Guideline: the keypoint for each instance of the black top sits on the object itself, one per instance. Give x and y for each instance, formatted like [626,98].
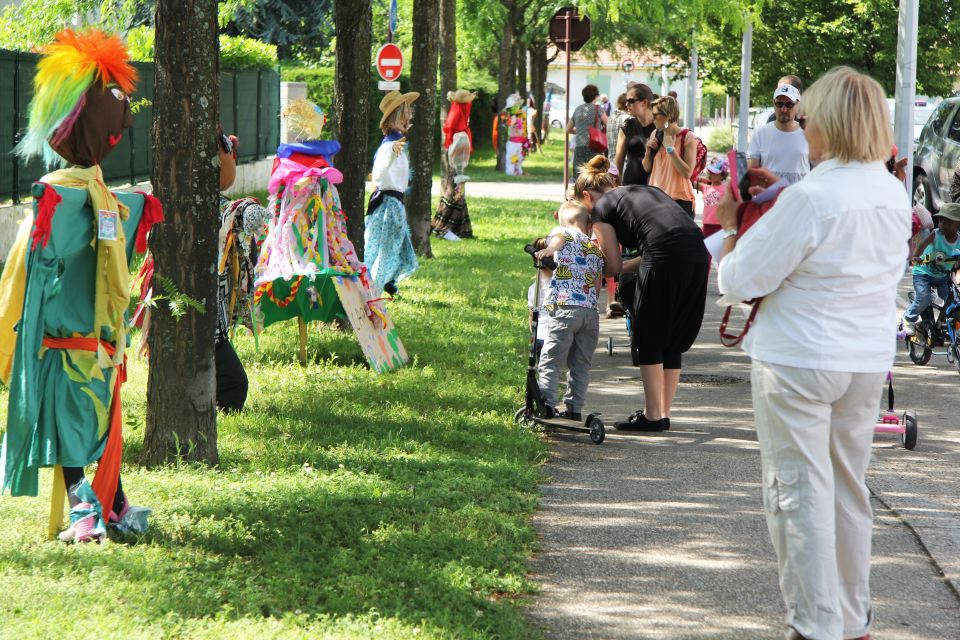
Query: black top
[646,218]
[636,138]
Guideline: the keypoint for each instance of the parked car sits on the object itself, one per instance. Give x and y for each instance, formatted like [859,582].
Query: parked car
[558,107]
[923,109]
[936,156]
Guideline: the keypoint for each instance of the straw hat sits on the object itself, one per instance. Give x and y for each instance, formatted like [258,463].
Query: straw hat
[393,100]
[461,95]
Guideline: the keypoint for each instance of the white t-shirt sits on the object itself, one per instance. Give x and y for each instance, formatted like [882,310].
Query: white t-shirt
[784,153]
[538,303]
[828,257]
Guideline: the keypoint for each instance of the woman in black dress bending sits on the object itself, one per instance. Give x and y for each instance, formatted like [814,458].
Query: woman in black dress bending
[671,280]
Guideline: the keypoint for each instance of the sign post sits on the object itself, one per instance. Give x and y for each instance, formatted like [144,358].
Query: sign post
[389,62]
[568,31]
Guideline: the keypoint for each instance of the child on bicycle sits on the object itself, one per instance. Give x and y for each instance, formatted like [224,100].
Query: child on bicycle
[944,241]
[570,306]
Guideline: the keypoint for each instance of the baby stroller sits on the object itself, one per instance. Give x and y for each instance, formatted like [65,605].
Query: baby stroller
[535,408]
[626,293]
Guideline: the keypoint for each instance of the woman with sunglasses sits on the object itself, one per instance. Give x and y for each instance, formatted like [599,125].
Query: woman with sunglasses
[633,135]
[672,154]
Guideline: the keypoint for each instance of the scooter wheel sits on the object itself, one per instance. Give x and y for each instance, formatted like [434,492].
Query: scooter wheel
[912,431]
[520,416]
[597,430]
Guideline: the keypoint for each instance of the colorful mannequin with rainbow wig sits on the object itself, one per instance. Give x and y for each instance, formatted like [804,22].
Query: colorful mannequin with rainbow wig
[65,291]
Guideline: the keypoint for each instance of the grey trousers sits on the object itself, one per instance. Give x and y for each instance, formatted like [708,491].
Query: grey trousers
[572,334]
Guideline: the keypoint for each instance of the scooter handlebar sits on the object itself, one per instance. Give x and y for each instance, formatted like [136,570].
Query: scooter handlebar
[547,262]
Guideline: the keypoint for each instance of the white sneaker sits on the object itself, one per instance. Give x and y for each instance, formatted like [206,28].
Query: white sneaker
[910,328]
[450,235]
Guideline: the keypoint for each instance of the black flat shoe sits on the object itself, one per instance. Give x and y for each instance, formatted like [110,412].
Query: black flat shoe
[639,422]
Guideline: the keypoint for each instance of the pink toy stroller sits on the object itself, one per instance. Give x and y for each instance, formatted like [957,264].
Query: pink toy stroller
[903,424]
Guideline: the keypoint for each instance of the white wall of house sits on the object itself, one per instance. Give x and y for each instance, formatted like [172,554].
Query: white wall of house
[612,80]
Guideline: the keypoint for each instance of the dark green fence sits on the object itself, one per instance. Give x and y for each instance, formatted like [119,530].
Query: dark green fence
[249,107]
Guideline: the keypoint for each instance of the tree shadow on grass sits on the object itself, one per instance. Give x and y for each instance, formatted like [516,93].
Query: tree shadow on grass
[401,540]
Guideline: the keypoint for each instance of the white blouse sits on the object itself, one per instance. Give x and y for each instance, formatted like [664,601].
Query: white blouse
[828,257]
[391,172]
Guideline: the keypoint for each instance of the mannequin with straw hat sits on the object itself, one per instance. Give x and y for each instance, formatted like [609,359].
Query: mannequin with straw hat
[388,249]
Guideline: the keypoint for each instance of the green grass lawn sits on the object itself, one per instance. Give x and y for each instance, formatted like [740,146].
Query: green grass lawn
[538,167]
[346,504]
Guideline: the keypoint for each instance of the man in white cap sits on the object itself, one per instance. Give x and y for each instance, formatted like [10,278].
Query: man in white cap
[780,145]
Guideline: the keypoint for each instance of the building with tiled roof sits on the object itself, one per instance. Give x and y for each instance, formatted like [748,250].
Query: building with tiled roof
[606,69]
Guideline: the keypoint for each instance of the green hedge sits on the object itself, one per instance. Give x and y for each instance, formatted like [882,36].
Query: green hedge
[236,52]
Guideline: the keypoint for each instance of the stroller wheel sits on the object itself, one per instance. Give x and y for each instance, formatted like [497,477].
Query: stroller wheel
[911,433]
[610,346]
[597,430]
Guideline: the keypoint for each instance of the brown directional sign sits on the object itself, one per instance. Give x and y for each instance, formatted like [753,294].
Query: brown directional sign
[579,29]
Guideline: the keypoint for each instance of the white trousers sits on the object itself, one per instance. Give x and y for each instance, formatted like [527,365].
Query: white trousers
[513,163]
[815,430]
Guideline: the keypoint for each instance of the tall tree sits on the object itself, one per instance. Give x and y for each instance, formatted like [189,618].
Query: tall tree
[181,388]
[448,75]
[859,33]
[423,78]
[351,108]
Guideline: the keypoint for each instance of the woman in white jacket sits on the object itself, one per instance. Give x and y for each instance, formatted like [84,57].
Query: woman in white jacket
[827,259]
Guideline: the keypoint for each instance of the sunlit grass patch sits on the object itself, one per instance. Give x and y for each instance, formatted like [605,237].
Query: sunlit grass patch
[346,504]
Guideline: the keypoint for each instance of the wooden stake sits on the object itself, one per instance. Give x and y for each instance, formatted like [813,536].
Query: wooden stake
[303,341]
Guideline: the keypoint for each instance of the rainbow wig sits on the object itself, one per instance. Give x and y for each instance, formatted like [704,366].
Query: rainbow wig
[67,69]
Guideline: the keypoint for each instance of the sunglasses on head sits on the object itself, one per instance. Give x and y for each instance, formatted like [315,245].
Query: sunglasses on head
[783,104]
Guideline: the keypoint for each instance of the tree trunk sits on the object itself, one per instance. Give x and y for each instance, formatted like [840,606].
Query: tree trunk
[423,78]
[351,109]
[538,81]
[507,76]
[448,76]
[181,387]
[520,54]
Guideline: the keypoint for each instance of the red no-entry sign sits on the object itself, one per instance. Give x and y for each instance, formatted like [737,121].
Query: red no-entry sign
[389,62]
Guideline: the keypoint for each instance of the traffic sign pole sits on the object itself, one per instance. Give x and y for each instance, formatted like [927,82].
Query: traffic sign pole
[570,37]
[566,129]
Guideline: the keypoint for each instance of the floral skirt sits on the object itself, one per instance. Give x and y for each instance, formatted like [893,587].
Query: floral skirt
[387,247]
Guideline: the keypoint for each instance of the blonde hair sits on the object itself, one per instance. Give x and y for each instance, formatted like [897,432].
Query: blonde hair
[668,106]
[397,120]
[593,176]
[572,214]
[850,111]
[304,119]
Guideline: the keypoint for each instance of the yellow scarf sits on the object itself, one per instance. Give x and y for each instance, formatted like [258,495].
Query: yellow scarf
[113,276]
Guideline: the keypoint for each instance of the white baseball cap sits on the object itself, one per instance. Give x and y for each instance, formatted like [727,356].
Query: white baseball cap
[787,90]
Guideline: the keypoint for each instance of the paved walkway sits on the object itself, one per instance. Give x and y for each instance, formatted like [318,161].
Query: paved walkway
[663,535]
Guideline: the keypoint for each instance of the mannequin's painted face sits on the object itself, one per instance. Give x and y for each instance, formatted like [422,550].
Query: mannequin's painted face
[104,115]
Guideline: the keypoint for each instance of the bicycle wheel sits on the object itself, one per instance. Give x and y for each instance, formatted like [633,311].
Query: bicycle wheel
[955,348]
[919,346]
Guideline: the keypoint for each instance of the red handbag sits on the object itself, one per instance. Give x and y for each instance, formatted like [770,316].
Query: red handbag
[598,139]
[747,215]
